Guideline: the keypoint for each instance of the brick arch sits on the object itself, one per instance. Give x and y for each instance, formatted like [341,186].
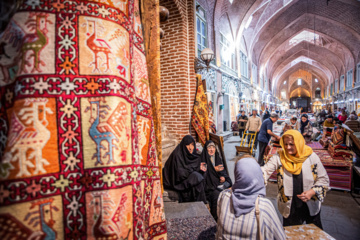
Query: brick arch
[332,54]
[335,48]
[319,72]
[329,66]
[303,93]
[293,85]
[243,45]
[219,10]
[225,20]
[325,58]
[283,87]
[349,42]
[320,85]
[284,20]
[255,5]
[239,11]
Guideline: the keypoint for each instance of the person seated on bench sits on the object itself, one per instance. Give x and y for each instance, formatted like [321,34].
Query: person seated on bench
[216,178]
[184,172]
[328,125]
[237,206]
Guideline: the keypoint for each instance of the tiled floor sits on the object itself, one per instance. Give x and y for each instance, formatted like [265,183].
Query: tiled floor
[340,214]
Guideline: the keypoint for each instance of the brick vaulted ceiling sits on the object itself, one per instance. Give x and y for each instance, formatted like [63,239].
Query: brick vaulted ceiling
[279,36]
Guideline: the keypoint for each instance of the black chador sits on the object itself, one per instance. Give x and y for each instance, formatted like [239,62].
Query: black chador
[182,173]
[213,185]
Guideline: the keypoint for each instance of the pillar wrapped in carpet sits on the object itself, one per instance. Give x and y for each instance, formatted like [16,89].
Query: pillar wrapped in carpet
[77,142]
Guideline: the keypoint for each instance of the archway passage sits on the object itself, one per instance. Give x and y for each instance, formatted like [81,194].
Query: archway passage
[282,38]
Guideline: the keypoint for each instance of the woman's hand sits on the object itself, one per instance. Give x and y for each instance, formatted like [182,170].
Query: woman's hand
[219,168]
[222,179]
[304,134]
[307,195]
[203,167]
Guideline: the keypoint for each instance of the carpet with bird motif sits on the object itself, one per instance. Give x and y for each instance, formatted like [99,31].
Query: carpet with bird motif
[77,144]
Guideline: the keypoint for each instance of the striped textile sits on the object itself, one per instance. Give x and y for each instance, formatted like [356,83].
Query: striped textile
[245,226]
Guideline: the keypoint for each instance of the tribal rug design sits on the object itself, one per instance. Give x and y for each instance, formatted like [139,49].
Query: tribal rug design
[77,143]
[200,115]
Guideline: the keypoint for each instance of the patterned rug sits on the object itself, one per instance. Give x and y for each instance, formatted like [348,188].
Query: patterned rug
[77,143]
[327,160]
[338,170]
[200,116]
[315,145]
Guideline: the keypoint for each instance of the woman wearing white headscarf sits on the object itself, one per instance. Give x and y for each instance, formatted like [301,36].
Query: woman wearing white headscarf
[243,209]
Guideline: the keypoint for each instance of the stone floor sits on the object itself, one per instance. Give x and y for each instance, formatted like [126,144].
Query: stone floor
[340,214]
[189,221]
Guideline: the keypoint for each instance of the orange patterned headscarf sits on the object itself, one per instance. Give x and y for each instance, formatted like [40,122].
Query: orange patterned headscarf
[291,163]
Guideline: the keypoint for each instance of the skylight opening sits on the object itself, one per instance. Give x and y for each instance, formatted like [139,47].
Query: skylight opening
[316,80]
[284,82]
[305,36]
[231,1]
[301,59]
[299,81]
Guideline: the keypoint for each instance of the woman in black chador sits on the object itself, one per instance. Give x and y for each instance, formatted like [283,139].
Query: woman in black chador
[216,176]
[184,172]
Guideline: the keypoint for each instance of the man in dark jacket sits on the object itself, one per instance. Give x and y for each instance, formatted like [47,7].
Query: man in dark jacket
[242,123]
[265,134]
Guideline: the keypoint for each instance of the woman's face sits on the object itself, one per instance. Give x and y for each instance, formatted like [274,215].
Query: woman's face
[303,119]
[190,147]
[293,121]
[289,144]
[211,150]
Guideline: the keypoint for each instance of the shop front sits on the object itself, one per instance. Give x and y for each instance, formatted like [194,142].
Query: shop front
[246,101]
[211,92]
[316,106]
[230,101]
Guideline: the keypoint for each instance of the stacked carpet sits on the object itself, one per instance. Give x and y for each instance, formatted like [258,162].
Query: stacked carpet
[341,151]
[338,169]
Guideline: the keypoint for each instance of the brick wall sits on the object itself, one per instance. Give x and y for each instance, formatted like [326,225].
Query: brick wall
[178,81]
